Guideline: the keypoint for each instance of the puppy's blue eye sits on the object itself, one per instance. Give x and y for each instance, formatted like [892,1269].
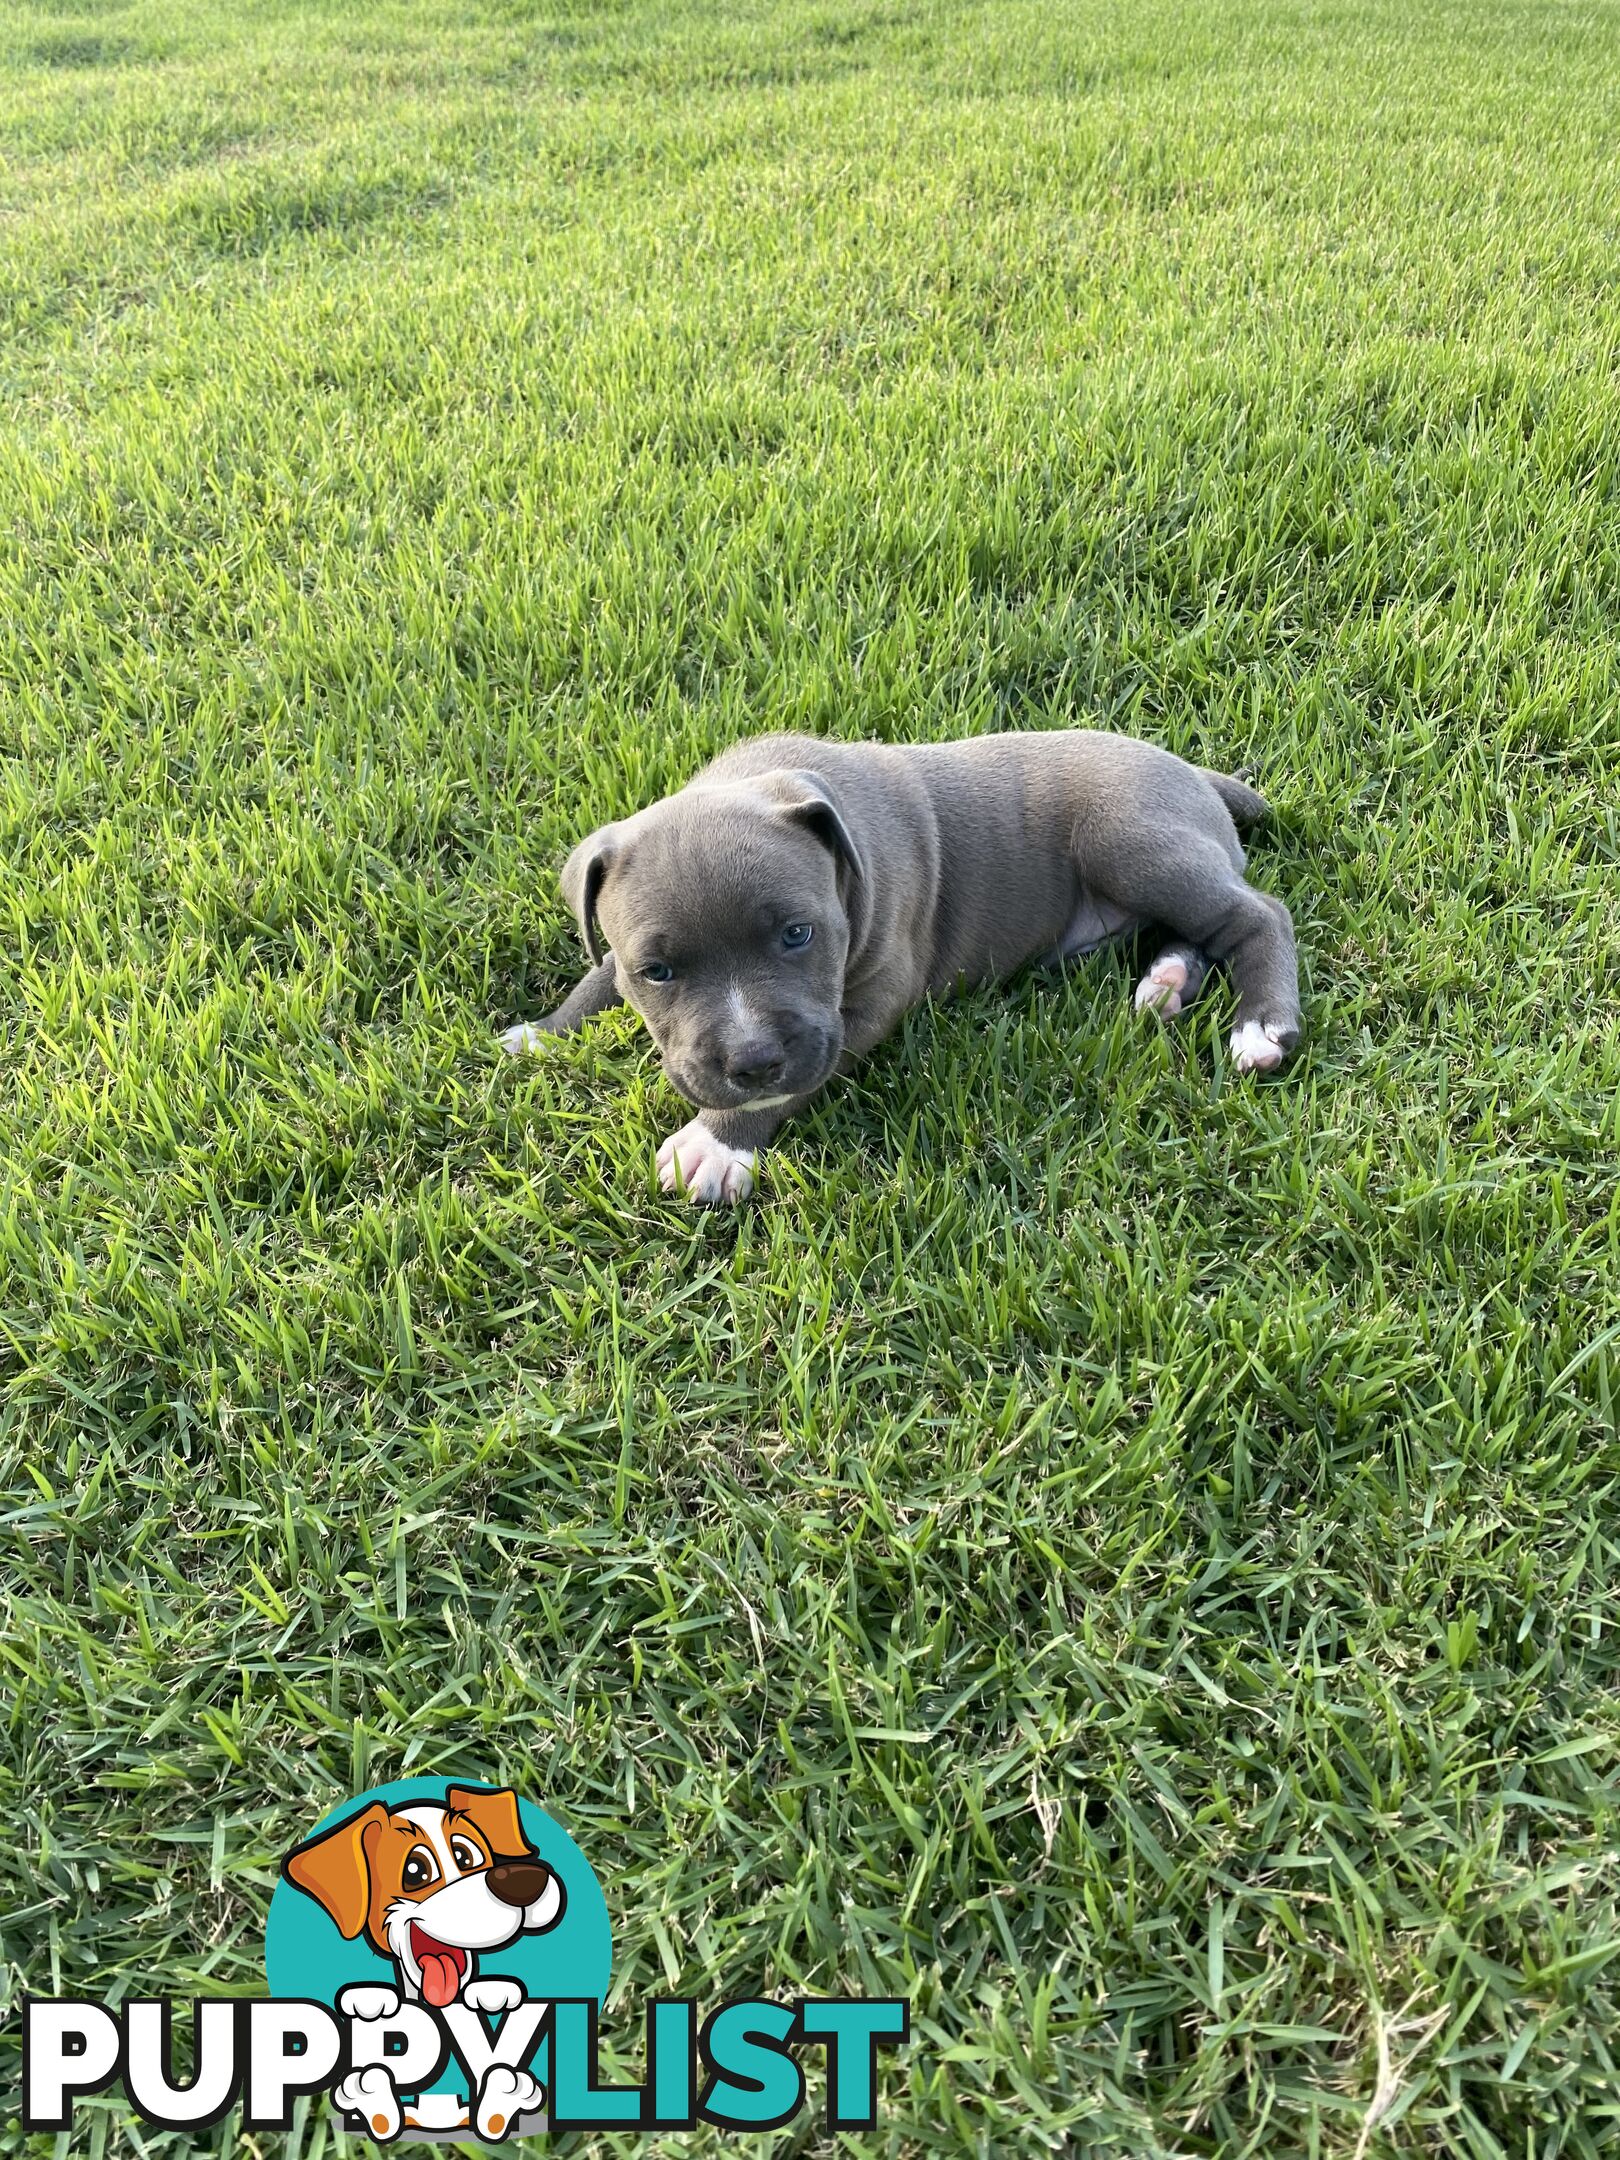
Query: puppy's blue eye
[797,934]
[657,971]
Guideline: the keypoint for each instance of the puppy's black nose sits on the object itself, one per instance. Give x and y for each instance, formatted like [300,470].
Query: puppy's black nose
[518,1882]
[755,1065]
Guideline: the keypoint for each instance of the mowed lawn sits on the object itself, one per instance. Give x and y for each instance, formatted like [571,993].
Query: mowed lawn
[1121,1555]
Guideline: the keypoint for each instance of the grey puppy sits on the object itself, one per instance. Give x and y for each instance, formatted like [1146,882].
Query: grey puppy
[773,919]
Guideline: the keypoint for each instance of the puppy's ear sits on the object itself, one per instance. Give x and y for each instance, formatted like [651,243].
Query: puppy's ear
[494,1815]
[582,876]
[335,1869]
[806,799]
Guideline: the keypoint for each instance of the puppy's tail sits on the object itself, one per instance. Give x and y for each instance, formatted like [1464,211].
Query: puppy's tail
[1246,806]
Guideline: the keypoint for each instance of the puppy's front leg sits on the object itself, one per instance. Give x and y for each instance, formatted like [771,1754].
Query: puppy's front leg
[594,993]
[711,1160]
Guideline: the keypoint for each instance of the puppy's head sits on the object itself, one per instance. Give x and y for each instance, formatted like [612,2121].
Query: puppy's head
[431,1884]
[727,910]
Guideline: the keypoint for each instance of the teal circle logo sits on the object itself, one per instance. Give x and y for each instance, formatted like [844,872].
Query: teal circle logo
[444,1894]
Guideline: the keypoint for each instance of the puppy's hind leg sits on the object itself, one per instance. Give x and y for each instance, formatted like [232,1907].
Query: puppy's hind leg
[1173,981]
[593,993]
[1187,880]
[1257,947]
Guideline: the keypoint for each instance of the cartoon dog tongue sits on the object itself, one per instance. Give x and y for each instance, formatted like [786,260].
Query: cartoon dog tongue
[441,1969]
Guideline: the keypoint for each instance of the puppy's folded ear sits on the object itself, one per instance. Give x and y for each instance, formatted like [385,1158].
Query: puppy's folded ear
[582,876]
[335,1868]
[495,1816]
[808,800]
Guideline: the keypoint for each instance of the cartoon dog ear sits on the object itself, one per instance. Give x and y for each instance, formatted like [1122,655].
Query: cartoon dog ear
[335,1869]
[494,1815]
[582,876]
[808,801]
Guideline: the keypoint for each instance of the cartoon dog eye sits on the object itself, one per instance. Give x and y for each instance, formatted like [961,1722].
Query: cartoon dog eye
[419,1870]
[467,1856]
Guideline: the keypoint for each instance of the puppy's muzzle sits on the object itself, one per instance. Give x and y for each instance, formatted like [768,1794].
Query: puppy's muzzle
[756,1067]
[758,1070]
[518,1882]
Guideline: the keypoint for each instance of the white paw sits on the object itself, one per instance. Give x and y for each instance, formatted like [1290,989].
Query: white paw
[370,2095]
[1161,987]
[696,1162]
[504,2096]
[520,1040]
[1256,1048]
[368,2003]
[492,1997]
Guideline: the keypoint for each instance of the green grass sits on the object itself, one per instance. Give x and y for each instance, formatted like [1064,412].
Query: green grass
[1124,1557]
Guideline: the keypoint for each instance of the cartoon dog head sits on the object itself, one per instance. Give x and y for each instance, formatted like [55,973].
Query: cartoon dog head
[430,1885]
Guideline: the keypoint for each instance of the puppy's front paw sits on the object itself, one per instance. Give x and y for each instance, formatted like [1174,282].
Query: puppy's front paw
[504,2096]
[370,2095]
[1261,1046]
[368,2002]
[492,1997]
[521,1040]
[695,1161]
